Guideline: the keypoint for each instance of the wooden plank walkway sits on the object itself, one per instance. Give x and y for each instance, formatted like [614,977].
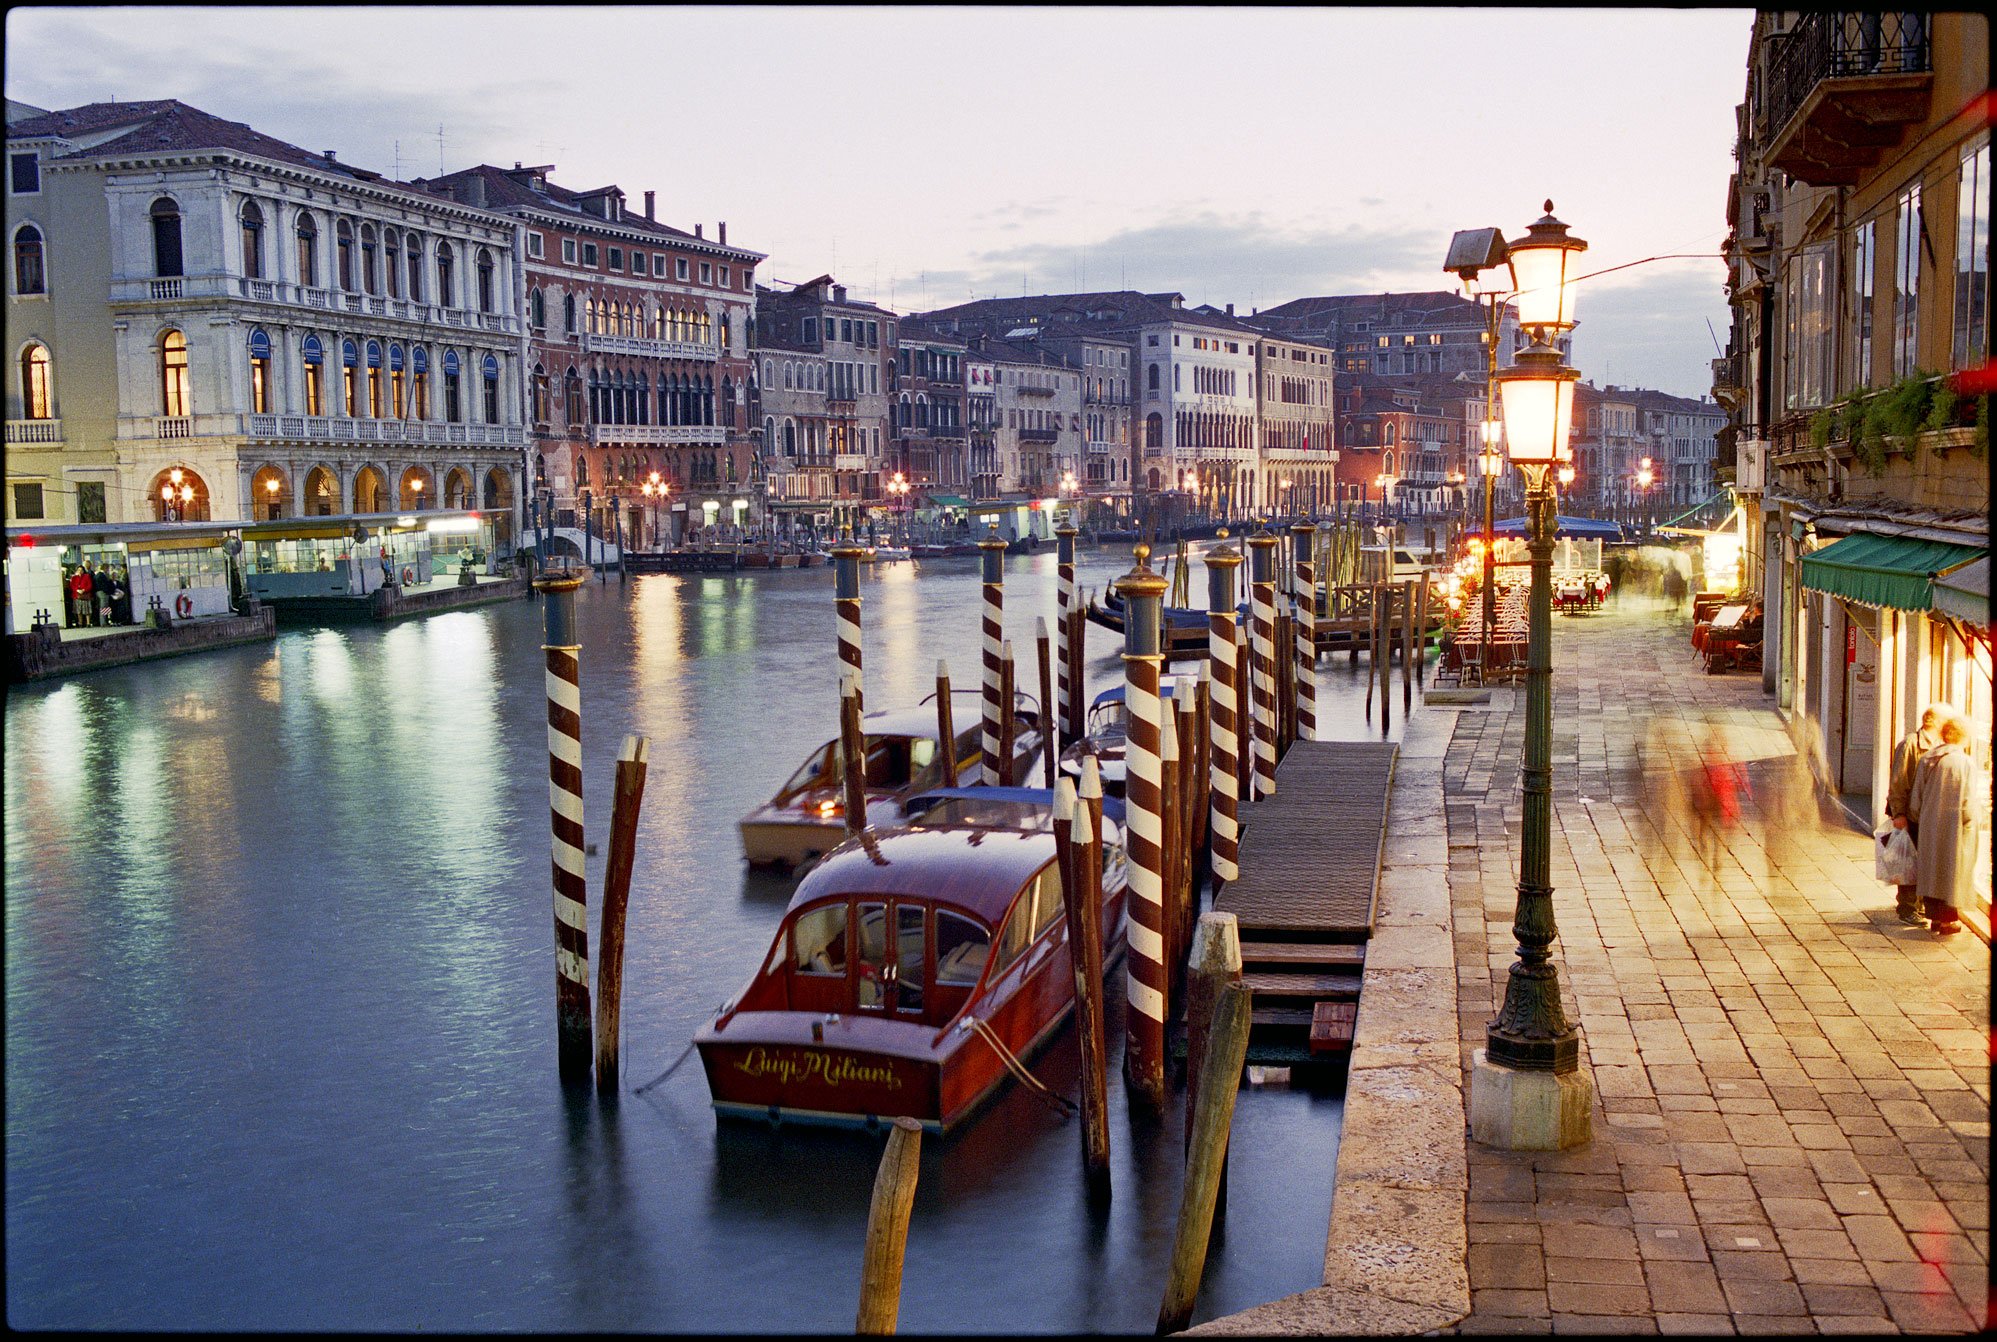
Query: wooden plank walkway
[1310,875]
[1310,854]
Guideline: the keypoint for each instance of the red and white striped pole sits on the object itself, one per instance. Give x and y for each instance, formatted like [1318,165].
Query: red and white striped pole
[1145,970]
[846,557]
[1304,543]
[1064,595]
[564,683]
[1262,612]
[992,554]
[1225,824]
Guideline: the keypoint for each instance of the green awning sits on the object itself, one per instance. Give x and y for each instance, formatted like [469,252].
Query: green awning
[1890,571]
[949,501]
[1965,592]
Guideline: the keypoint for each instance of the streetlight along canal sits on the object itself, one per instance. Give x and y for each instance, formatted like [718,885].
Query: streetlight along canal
[278,1044]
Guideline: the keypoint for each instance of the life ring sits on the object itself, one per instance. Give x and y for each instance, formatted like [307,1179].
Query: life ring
[408,575]
[183,605]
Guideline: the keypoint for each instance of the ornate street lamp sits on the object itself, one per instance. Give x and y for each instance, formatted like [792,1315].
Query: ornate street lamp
[1527,1092]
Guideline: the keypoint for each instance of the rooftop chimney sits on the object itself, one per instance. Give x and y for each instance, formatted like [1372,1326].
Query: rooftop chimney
[1230,309]
[696,229]
[649,195]
[722,230]
[329,156]
[838,293]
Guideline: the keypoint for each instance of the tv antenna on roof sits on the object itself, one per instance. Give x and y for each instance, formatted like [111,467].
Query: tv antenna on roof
[440,149]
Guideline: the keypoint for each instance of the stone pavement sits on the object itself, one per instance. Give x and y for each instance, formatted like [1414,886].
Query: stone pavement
[1792,1125]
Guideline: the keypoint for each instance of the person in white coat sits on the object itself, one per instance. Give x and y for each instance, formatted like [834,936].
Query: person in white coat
[1947,803]
[1906,755]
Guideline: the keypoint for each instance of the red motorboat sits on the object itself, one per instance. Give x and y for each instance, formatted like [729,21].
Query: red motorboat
[891,948]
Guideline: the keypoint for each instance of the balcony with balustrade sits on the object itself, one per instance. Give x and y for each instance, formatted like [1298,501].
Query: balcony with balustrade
[338,429]
[27,432]
[1840,90]
[657,435]
[647,348]
[195,288]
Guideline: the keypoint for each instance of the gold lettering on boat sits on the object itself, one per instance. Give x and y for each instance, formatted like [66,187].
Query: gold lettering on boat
[829,1069]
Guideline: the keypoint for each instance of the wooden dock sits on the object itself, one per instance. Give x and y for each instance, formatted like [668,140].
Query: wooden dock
[1310,878]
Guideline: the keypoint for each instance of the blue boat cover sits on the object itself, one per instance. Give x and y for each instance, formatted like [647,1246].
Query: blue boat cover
[1033,796]
[1580,528]
[1114,694]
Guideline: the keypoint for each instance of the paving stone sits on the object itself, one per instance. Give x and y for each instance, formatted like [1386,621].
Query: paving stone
[1587,1241]
[1800,1213]
[1687,1288]
[1753,1295]
[1570,1297]
[1927,1312]
[1506,1267]
[1590,1325]
[1858,1300]
[1695,1325]
[1859,1327]
[1878,1239]
[1758,1325]
[1831,1271]
[1658,1243]
[1815,1243]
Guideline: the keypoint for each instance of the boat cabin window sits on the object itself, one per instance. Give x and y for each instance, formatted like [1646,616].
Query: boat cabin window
[961,948]
[816,772]
[910,948]
[873,928]
[1034,912]
[986,813]
[893,761]
[819,939]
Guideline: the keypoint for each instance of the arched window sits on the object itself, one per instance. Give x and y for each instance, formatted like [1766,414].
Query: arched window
[308,250]
[1390,437]
[374,379]
[343,262]
[166,237]
[28,274]
[484,265]
[312,354]
[537,308]
[658,323]
[572,403]
[259,371]
[412,250]
[398,391]
[1386,463]
[1154,427]
[173,374]
[370,260]
[391,248]
[569,314]
[643,399]
[790,438]
[540,393]
[36,401]
[724,330]
[787,373]
[1153,378]
[252,220]
[446,291]
[419,362]
[490,370]
[454,405]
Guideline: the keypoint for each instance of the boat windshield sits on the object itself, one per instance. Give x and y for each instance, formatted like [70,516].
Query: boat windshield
[1027,816]
[1108,720]
[816,771]
[892,762]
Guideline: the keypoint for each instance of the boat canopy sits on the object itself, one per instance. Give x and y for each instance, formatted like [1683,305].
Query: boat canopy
[1114,694]
[1029,796]
[975,870]
[1581,528]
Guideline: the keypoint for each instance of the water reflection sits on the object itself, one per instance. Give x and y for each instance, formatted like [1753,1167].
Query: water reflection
[279,990]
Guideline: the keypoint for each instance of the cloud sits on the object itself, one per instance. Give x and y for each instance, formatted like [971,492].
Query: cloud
[1651,331]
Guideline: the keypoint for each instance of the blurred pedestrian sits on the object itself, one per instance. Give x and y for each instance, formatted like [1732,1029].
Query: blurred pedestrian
[1899,791]
[1948,807]
[1673,584]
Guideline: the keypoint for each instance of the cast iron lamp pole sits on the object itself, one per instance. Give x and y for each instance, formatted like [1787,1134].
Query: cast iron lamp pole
[1531,1036]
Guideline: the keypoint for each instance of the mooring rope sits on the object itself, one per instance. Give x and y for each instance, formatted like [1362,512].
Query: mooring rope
[668,1072]
[1060,1103]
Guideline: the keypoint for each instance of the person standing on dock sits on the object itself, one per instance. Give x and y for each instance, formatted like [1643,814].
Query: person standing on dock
[1899,792]
[1949,805]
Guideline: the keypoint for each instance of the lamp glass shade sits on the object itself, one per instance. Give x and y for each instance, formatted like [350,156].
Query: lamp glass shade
[1539,415]
[1544,296]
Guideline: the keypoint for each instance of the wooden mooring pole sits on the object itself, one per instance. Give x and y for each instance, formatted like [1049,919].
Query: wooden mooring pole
[1050,718]
[616,899]
[1244,713]
[946,724]
[852,752]
[1144,966]
[1062,724]
[1008,719]
[1216,962]
[1219,1084]
[1262,603]
[1408,647]
[887,1230]
[846,558]
[991,553]
[1171,815]
[1224,823]
[560,647]
[1306,672]
[1081,895]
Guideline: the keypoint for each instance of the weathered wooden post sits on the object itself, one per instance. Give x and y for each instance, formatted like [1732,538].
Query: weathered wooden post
[1008,721]
[1306,673]
[1171,815]
[1144,967]
[1185,705]
[1061,720]
[887,1229]
[1215,963]
[1081,893]
[1421,632]
[559,647]
[852,751]
[1386,657]
[1407,646]
[1262,612]
[946,724]
[1219,1085]
[1090,794]
[1076,636]
[991,553]
[846,557]
[1203,766]
[616,900]
[1050,721]
[1244,713]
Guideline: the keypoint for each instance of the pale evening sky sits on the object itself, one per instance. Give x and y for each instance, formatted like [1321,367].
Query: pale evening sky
[929,155]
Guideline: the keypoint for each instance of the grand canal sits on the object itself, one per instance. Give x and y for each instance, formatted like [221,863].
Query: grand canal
[280,1019]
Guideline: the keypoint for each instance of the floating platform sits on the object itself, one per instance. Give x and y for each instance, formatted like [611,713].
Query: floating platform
[395,603]
[44,653]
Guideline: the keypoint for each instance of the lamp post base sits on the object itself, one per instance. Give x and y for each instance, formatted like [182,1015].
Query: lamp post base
[1515,1110]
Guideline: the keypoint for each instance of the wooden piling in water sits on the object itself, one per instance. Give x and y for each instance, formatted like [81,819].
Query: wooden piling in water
[1061,722]
[1372,647]
[1421,632]
[852,753]
[1244,714]
[629,793]
[1224,723]
[991,553]
[1008,719]
[1144,965]
[887,1230]
[1171,843]
[1190,813]
[1219,1085]
[1408,647]
[1081,898]
[1050,722]
[946,724]
[1215,963]
[559,648]
[1262,601]
[1075,639]
[1386,657]
[846,559]
[1306,640]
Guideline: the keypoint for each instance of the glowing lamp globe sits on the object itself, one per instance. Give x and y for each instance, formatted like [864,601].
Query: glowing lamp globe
[1537,395]
[1545,261]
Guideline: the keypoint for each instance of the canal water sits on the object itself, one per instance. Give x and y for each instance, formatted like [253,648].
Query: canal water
[280,998]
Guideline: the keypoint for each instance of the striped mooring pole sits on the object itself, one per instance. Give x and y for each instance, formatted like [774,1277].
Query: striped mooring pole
[1262,618]
[1304,545]
[1064,595]
[846,557]
[1225,824]
[991,552]
[1145,971]
[559,646]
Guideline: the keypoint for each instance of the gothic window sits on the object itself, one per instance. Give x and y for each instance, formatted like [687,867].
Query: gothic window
[166,238]
[252,220]
[28,274]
